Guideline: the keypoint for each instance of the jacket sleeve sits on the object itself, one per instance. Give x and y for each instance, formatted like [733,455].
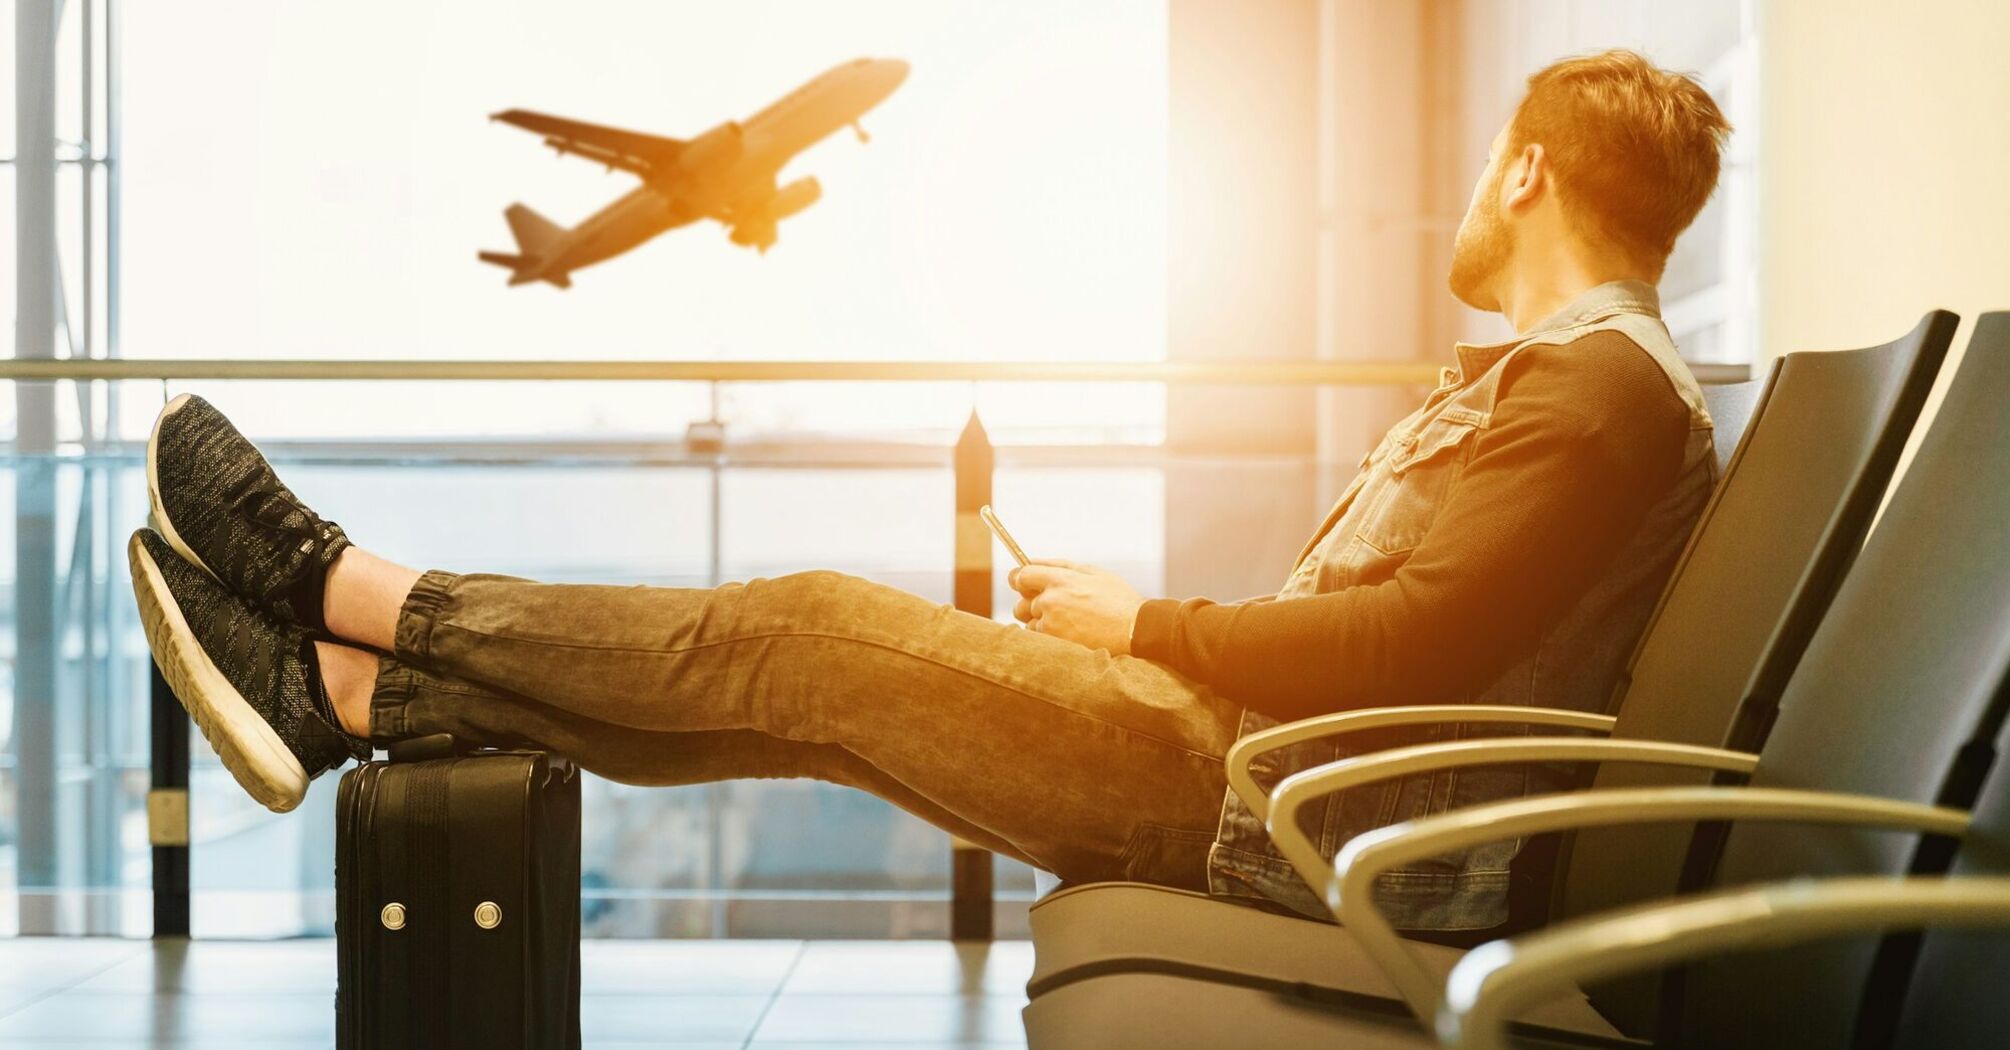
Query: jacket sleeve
[1584,438]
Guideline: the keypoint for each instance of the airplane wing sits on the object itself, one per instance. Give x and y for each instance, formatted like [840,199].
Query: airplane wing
[630,151]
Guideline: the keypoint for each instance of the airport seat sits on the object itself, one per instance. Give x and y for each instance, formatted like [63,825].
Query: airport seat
[1804,481]
[1954,999]
[1937,990]
[1892,721]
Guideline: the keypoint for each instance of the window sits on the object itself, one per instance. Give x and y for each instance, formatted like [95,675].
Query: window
[311,183]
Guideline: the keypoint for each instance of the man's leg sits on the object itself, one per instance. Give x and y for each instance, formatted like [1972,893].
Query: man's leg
[1088,765]
[405,701]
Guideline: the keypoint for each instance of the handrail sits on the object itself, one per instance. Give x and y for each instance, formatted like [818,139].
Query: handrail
[811,449]
[1240,373]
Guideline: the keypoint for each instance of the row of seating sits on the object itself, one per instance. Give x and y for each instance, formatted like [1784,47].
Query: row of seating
[1803,751]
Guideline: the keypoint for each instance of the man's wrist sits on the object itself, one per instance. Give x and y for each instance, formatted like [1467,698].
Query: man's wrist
[1151,628]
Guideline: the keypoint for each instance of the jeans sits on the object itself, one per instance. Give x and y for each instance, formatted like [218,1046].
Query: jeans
[1088,765]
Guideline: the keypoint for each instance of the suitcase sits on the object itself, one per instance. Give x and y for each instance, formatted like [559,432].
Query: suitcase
[457,901]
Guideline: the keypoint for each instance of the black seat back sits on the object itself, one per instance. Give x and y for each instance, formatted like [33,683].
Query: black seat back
[1731,407]
[1899,683]
[1955,993]
[1790,511]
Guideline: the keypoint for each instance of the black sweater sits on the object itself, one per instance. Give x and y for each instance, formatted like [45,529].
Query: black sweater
[1585,437]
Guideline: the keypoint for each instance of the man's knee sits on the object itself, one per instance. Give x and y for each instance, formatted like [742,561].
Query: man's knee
[817,588]
[828,599]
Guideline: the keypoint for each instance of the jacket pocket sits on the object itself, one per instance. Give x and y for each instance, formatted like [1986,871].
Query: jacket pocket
[1421,472]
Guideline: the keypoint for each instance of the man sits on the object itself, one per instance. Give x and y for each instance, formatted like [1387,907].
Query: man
[1503,544]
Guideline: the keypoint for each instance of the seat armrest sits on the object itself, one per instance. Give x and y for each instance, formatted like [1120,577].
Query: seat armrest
[1497,980]
[1364,858]
[1246,750]
[1299,789]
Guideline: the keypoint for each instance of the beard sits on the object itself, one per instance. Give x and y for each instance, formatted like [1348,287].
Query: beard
[1479,252]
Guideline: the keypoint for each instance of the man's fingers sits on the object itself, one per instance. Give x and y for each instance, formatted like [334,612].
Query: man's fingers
[1023,611]
[1058,563]
[1037,577]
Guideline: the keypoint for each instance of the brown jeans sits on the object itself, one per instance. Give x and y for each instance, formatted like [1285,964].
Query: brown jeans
[1084,764]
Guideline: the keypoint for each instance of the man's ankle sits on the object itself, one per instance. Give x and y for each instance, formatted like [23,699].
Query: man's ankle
[349,675]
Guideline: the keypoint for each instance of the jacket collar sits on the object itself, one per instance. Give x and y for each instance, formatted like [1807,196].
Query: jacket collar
[1612,297]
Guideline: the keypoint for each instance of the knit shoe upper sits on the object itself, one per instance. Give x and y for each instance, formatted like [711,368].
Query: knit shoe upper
[218,503]
[243,676]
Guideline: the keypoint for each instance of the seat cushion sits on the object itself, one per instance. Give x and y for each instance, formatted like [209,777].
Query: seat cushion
[1155,1011]
[1087,932]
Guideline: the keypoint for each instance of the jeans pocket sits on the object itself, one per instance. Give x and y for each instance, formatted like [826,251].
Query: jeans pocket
[1166,856]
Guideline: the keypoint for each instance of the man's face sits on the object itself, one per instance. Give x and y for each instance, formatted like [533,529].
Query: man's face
[1485,241]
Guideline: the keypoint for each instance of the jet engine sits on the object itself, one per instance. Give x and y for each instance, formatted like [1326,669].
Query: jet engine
[794,197]
[713,150]
[756,228]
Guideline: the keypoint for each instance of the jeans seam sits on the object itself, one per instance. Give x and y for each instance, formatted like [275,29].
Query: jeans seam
[860,641]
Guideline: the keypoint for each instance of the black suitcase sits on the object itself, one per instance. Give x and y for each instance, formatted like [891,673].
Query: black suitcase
[457,901]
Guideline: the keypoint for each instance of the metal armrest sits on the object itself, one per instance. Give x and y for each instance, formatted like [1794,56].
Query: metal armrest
[1497,980]
[1300,788]
[1245,750]
[1368,855]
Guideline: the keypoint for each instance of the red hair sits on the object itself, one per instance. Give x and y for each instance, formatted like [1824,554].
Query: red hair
[1634,148]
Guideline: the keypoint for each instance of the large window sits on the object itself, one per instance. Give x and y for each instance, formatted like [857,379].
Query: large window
[312,182]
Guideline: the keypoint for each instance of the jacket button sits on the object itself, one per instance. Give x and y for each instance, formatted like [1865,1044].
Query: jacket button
[393,916]
[487,915]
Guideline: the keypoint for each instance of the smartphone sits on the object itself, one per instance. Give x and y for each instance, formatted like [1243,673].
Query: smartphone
[998,529]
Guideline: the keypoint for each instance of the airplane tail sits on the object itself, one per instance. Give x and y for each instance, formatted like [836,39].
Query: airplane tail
[531,230]
[533,233]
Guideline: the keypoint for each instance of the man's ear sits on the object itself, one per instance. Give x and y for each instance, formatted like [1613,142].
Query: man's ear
[1527,178]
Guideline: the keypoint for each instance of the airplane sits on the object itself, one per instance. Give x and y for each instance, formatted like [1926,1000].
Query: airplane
[726,174]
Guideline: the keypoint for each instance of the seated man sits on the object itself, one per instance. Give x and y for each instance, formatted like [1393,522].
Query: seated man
[1503,544]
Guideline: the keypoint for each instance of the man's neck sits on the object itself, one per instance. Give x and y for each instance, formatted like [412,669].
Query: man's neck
[1529,296]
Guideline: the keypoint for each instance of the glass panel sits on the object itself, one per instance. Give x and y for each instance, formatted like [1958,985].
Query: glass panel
[352,226]
[69,79]
[8,290]
[73,847]
[7,86]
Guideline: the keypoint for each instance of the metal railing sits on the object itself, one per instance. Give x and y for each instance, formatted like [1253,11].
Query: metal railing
[1211,373]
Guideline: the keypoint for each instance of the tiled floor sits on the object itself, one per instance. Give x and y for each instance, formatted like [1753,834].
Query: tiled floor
[82,994]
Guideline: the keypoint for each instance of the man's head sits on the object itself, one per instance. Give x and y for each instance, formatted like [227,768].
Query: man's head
[1607,157]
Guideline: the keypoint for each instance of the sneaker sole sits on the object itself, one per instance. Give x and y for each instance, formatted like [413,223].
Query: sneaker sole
[162,524]
[246,743]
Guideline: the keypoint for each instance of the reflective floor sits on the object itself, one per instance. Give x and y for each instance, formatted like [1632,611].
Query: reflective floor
[86,994]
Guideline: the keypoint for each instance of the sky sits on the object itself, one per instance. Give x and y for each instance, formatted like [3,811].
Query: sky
[314,180]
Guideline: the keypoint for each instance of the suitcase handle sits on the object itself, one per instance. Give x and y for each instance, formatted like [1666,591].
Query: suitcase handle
[424,748]
[446,745]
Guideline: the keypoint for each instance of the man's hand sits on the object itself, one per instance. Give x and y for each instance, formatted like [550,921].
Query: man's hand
[1086,605]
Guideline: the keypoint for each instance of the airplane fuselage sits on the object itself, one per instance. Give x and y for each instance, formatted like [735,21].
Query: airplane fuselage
[728,173]
[633,218]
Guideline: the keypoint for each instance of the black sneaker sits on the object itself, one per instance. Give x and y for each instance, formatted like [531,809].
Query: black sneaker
[246,678]
[218,503]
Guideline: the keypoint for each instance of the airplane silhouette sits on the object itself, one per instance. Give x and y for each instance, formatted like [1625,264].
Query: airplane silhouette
[727,174]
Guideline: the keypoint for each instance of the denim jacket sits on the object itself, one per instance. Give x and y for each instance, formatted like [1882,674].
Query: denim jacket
[1577,664]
